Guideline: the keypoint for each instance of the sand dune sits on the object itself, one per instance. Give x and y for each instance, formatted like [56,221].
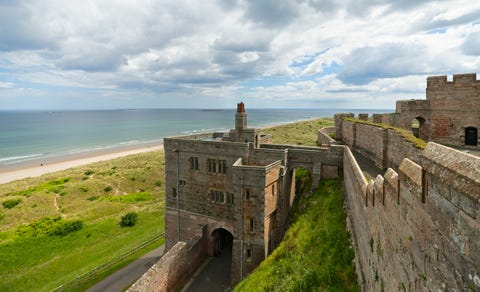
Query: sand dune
[35,171]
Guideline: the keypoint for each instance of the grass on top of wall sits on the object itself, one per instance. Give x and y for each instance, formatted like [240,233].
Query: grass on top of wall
[316,253]
[300,133]
[408,135]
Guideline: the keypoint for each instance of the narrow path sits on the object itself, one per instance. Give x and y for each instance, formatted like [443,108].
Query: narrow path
[368,167]
[214,276]
[126,276]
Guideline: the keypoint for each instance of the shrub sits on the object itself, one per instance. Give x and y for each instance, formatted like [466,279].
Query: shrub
[158,183]
[64,228]
[88,172]
[9,204]
[107,189]
[84,189]
[129,219]
[93,198]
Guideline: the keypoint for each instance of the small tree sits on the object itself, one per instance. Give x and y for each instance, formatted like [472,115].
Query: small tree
[129,219]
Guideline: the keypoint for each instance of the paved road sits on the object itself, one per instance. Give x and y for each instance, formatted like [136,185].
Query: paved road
[125,277]
[214,276]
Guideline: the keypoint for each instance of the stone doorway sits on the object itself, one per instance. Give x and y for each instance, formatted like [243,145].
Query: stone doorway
[471,136]
[221,240]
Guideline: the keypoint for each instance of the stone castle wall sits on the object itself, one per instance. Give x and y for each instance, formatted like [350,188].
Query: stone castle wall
[385,147]
[173,270]
[418,228]
[450,107]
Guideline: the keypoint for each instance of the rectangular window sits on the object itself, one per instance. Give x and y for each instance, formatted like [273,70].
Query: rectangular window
[249,253]
[230,198]
[194,163]
[246,193]
[251,225]
[273,189]
[212,165]
[174,192]
[217,197]
[222,166]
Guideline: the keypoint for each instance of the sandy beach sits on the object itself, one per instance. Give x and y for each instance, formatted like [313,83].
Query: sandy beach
[34,171]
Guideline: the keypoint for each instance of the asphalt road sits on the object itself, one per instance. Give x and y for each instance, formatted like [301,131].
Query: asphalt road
[125,277]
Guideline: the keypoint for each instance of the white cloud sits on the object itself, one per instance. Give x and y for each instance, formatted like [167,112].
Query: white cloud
[297,52]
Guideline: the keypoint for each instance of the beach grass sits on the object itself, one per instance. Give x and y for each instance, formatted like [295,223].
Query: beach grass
[41,261]
[300,133]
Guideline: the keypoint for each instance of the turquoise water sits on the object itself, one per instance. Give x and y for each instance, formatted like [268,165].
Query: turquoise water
[28,137]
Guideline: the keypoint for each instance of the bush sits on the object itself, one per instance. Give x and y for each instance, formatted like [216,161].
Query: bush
[129,219]
[64,228]
[107,189]
[9,204]
[158,183]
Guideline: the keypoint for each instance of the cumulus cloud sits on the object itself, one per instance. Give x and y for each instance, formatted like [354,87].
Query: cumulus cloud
[294,51]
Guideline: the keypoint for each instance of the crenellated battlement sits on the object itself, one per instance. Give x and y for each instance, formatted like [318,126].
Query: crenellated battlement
[417,227]
[436,82]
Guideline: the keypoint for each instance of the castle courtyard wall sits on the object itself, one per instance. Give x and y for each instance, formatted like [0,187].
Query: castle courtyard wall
[417,229]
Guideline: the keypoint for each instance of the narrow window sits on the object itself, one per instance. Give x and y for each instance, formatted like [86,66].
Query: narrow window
[222,166]
[273,189]
[194,163]
[212,165]
[174,192]
[251,225]
[249,253]
[247,193]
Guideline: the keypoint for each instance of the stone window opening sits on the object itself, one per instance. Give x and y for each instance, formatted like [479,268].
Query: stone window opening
[217,196]
[230,199]
[194,163]
[249,254]
[251,225]
[174,192]
[471,136]
[247,194]
[222,166]
[273,190]
[212,165]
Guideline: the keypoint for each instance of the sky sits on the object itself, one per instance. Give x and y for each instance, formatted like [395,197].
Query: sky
[102,54]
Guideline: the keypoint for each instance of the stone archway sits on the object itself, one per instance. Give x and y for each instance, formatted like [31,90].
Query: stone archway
[471,136]
[418,128]
[221,240]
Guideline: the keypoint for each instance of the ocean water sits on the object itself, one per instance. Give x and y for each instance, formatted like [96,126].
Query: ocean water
[34,137]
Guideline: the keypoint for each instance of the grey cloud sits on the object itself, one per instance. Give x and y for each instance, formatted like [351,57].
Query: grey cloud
[18,30]
[390,60]
[428,23]
[471,45]
[271,13]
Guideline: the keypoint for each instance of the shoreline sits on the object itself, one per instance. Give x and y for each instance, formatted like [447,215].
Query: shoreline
[67,162]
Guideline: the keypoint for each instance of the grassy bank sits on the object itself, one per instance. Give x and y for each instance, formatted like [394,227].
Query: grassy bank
[301,133]
[35,256]
[315,254]
[58,226]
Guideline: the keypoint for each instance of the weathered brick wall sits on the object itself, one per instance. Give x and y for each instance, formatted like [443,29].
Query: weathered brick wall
[385,147]
[174,268]
[324,137]
[398,148]
[420,228]
[371,142]
[449,108]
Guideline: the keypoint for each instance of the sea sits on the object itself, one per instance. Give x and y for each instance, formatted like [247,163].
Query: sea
[36,137]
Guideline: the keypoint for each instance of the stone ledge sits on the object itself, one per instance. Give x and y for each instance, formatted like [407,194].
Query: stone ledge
[461,169]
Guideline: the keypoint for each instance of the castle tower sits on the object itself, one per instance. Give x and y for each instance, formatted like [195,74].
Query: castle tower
[240,118]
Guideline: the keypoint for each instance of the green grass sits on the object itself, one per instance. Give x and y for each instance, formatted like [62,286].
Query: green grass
[43,245]
[316,253]
[407,135]
[301,133]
